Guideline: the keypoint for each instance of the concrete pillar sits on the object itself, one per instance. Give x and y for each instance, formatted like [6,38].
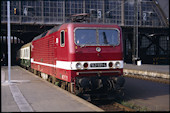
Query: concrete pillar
[103,11]
[84,6]
[42,11]
[63,11]
[20,12]
[122,12]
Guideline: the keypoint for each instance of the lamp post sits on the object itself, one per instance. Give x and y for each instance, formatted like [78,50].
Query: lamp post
[9,42]
[135,33]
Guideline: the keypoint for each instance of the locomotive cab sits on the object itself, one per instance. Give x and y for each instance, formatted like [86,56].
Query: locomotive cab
[96,56]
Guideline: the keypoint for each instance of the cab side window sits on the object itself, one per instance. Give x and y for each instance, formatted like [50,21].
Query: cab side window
[62,39]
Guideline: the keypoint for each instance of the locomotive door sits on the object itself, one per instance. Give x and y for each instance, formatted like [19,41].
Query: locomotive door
[59,52]
[55,39]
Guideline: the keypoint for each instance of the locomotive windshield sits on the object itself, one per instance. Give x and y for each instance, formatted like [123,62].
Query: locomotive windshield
[97,37]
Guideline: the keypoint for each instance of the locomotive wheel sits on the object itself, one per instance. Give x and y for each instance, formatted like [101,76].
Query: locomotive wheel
[63,85]
[32,70]
[50,79]
[78,91]
[69,87]
[35,72]
[39,74]
[28,68]
[53,80]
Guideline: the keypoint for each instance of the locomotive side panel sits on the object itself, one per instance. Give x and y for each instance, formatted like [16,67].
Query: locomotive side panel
[43,55]
[48,54]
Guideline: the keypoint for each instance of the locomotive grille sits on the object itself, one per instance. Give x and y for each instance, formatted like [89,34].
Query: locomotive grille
[98,65]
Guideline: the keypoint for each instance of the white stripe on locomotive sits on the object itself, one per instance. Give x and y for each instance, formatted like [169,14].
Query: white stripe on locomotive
[68,65]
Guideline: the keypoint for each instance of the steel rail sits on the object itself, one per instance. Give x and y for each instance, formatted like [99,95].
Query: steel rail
[124,108]
[159,80]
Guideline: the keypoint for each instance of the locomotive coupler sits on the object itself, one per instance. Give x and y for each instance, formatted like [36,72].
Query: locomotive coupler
[100,83]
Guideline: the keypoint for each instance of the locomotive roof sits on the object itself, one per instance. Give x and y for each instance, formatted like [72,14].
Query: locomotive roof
[88,25]
[37,37]
[40,36]
[77,23]
[56,28]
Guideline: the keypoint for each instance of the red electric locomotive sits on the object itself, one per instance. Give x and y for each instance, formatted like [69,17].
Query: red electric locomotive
[82,58]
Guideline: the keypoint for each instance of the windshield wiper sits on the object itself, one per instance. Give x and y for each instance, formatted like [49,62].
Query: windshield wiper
[105,39]
[82,46]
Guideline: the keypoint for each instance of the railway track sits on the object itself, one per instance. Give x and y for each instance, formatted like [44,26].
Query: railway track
[159,80]
[115,106]
[111,106]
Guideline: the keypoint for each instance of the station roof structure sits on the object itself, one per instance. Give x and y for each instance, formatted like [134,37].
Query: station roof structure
[35,17]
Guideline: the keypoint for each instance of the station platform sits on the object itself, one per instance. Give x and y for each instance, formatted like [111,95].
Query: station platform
[27,92]
[157,71]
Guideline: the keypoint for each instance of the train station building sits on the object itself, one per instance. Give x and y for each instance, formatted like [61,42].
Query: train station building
[144,23]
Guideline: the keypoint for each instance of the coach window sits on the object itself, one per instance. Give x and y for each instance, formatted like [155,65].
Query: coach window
[62,39]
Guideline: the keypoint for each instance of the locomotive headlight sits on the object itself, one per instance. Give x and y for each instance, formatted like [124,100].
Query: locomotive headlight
[110,64]
[85,65]
[117,64]
[78,66]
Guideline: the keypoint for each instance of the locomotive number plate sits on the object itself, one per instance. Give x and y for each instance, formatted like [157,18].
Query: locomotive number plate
[98,65]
